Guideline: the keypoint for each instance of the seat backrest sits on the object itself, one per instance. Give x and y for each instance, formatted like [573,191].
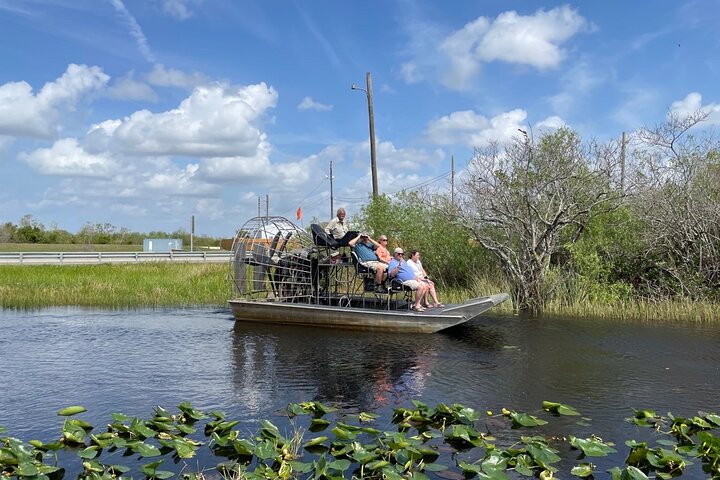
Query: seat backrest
[359,268]
[322,239]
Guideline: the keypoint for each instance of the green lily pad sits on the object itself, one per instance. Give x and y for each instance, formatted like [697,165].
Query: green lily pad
[592,447]
[146,450]
[72,410]
[526,420]
[315,441]
[583,470]
[367,417]
[559,408]
[89,453]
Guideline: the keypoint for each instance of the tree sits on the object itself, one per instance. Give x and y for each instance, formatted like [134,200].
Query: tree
[29,231]
[414,221]
[7,232]
[524,200]
[678,176]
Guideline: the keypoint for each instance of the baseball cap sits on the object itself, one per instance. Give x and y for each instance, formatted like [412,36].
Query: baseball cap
[398,250]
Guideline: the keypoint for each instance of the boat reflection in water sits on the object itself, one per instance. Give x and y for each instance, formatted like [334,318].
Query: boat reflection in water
[281,274]
[358,370]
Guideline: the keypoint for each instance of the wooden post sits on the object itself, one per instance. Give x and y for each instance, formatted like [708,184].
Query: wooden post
[371,119]
[452,180]
[332,208]
[622,164]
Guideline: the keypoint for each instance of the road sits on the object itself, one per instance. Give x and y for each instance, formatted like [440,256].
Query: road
[87,258]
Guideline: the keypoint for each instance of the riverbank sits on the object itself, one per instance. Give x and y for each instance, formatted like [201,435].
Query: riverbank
[156,284]
[152,284]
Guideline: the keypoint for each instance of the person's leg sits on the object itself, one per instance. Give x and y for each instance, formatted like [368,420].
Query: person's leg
[419,295]
[433,293]
[378,276]
[425,297]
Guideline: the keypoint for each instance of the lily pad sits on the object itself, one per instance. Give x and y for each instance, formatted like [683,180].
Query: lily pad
[559,408]
[592,447]
[525,420]
[72,410]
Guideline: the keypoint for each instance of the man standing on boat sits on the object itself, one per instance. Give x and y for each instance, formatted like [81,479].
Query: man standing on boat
[364,247]
[399,269]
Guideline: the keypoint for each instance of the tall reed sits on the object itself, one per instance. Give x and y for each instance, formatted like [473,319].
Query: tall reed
[576,304]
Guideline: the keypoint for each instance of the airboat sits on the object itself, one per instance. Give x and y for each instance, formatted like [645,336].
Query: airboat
[283,274]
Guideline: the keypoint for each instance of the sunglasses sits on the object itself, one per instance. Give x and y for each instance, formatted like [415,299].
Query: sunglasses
[383,239]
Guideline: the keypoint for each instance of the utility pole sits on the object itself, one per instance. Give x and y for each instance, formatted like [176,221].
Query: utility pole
[332,208]
[267,206]
[622,164]
[452,180]
[371,121]
[192,231]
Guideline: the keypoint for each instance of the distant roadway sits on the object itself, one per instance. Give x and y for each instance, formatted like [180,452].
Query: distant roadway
[87,258]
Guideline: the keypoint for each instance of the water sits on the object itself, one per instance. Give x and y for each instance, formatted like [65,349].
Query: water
[131,361]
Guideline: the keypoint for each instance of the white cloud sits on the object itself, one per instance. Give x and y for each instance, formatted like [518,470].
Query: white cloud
[175,181]
[137,157]
[257,171]
[127,88]
[535,40]
[213,121]
[24,114]
[550,123]
[67,158]
[135,30]
[172,77]
[693,103]
[179,9]
[474,130]
[309,104]
[410,72]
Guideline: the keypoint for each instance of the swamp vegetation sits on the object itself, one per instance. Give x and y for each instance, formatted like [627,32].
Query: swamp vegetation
[318,442]
[160,284]
[624,228]
[152,284]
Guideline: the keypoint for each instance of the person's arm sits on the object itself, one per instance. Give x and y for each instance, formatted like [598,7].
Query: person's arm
[354,240]
[394,268]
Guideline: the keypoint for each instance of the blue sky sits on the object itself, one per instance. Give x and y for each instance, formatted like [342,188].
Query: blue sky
[142,113]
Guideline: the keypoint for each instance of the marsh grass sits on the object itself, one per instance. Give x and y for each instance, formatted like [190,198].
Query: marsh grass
[165,284]
[579,306]
[151,284]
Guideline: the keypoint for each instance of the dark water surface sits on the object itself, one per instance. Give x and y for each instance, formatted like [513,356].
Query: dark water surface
[131,361]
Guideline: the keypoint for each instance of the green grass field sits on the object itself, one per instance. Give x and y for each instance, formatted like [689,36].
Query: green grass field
[152,284]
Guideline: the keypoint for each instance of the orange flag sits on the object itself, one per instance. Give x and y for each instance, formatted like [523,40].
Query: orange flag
[299,213]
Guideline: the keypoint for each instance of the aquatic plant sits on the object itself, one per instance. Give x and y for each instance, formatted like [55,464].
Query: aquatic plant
[418,442]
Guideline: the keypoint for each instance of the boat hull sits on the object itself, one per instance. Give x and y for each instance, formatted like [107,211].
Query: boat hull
[328,316]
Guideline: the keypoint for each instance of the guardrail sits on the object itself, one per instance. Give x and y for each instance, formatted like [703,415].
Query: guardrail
[81,258]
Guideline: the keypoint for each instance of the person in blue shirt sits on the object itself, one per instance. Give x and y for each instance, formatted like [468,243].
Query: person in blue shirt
[399,268]
[364,247]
